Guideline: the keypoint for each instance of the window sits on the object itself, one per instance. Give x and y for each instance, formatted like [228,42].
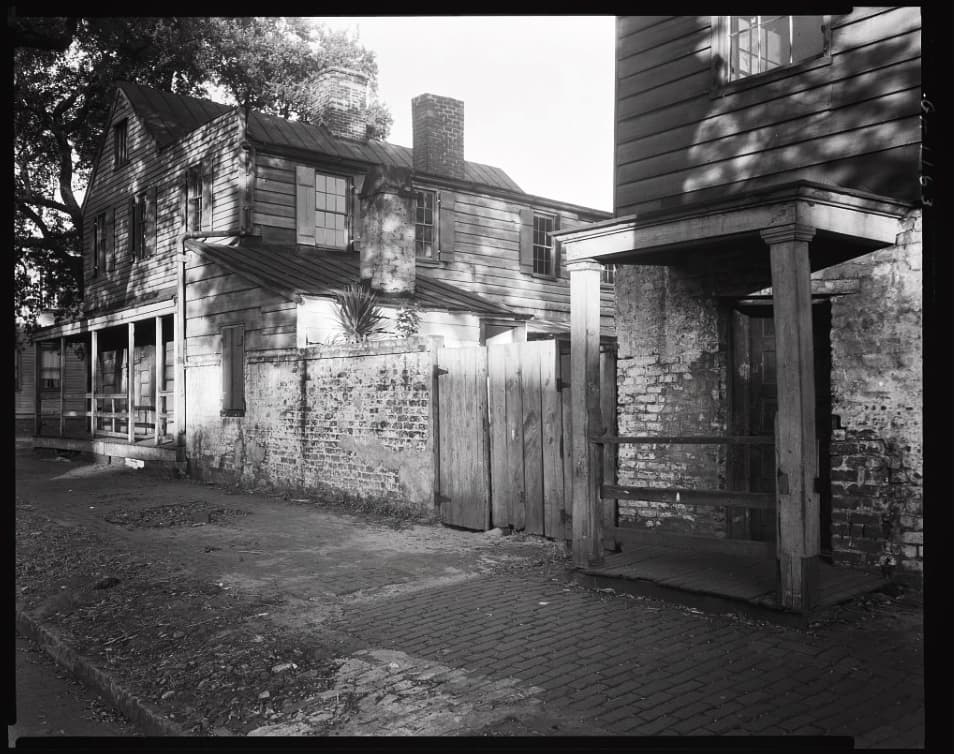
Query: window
[49,368]
[233,370]
[756,44]
[608,274]
[194,199]
[543,261]
[331,211]
[120,149]
[99,244]
[424,224]
[142,224]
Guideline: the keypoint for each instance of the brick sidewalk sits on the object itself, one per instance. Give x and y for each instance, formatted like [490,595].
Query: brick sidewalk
[631,666]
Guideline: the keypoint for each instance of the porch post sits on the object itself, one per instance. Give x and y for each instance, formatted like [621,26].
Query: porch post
[37,398]
[62,385]
[160,354]
[585,409]
[93,375]
[796,465]
[130,386]
[179,386]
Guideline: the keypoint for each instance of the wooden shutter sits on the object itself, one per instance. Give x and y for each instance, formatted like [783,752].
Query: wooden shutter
[184,203]
[233,368]
[447,224]
[558,267]
[110,239]
[305,205]
[355,212]
[207,196]
[132,231]
[150,232]
[526,239]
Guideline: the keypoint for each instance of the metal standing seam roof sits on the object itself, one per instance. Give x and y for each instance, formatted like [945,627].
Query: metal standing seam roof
[169,117]
[291,271]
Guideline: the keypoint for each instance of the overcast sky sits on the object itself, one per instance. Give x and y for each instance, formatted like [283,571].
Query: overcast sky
[537,92]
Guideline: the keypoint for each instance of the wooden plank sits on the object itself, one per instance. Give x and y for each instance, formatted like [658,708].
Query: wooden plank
[640,538]
[552,423]
[685,496]
[608,412]
[130,381]
[683,439]
[513,380]
[798,503]
[159,365]
[567,441]
[532,403]
[500,481]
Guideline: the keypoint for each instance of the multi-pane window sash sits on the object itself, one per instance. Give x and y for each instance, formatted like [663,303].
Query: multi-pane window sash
[424,224]
[760,43]
[608,274]
[194,198]
[120,147]
[331,211]
[49,368]
[99,244]
[543,245]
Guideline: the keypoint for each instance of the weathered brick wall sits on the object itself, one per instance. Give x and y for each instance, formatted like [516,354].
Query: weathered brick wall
[671,374]
[876,454]
[331,421]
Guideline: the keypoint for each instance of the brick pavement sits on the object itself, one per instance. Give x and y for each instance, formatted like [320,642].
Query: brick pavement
[633,666]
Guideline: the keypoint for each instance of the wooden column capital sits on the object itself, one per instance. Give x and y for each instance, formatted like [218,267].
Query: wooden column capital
[583,265]
[785,233]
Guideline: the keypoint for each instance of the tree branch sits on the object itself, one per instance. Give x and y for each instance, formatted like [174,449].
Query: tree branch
[42,201]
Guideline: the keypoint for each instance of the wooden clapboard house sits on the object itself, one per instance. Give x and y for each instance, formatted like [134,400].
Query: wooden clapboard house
[212,233]
[767,243]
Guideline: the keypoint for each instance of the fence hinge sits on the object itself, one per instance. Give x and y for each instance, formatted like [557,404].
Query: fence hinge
[438,371]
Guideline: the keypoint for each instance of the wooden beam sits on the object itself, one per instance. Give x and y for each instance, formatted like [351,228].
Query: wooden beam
[130,384]
[585,409]
[157,387]
[93,376]
[683,439]
[62,385]
[683,496]
[796,465]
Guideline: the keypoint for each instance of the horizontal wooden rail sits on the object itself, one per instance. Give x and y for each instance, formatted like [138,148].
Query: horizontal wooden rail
[683,440]
[760,500]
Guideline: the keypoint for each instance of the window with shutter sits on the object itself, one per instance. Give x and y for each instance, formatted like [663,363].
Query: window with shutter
[424,216]
[120,146]
[322,208]
[233,370]
[99,244]
[447,224]
[544,262]
[194,198]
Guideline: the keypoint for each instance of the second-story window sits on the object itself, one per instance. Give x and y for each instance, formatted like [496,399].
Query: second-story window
[543,261]
[755,44]
[120,146]
[424,224]
[331,211]
[99,244]
[142,224]
[194,199]
[608,274]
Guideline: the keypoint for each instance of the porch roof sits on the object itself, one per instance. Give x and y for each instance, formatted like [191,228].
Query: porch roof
[847,223]
[294,271]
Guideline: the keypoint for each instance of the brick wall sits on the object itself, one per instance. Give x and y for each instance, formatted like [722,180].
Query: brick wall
[671,373]
[335,421]
[877,514]
[438,124]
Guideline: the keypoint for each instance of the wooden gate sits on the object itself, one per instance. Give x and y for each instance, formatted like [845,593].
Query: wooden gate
[505,467]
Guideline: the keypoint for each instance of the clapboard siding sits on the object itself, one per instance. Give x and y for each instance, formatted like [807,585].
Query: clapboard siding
[677,141]
[111,190]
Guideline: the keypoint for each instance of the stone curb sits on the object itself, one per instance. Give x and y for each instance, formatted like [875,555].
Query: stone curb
[144,715]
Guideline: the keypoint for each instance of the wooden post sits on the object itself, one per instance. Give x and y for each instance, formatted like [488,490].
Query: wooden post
[156,400]
[130,384]
[62,385]
[37,398]
[93,374]
[585,409]
[796,465]
[179,386]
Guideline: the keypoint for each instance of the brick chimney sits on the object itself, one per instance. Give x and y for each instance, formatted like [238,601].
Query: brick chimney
[342,100]
[438,124]
[387,251]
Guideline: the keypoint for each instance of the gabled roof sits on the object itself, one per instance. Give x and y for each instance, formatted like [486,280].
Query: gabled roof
[168,117]
[292,271]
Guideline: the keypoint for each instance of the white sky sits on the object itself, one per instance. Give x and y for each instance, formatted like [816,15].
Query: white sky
[537,92]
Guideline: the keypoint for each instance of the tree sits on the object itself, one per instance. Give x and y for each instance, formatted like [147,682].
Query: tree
[65,71]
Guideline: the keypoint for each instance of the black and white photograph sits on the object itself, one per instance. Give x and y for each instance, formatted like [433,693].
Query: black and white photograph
[474,376]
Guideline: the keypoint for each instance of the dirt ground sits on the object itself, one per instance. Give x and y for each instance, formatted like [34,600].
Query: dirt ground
[172,584]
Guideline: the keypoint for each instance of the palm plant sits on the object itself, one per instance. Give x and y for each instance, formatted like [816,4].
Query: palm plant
[358,313]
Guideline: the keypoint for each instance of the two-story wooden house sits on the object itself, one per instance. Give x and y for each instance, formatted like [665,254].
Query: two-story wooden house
[215,235]
[767,237]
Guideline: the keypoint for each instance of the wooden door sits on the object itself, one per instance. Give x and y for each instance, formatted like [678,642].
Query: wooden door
[464,476]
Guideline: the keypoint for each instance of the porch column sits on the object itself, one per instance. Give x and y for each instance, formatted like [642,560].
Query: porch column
[37,398]
[62,385]
[93,375]
[585,414]
[796,462]
[160,354]
[179,379]
[130,384]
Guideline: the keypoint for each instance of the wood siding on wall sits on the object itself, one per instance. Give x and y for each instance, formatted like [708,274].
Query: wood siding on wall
[826,121]
[147,168]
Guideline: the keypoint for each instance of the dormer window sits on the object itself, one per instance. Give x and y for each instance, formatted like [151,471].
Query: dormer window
[120,146]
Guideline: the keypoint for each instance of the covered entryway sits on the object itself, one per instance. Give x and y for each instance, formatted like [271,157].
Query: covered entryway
[710,255]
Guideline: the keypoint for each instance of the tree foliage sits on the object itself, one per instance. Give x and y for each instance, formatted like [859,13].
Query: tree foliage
[65,70]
